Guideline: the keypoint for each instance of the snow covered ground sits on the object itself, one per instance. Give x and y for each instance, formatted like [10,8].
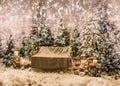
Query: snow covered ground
[12,77]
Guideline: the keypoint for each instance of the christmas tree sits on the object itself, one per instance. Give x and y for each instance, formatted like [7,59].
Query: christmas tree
[75,42]
[42,32]
[100,46]
[27,47]
[9,59]
[62,38]
[91,37]
[39,36]
[46,38]
[111,63]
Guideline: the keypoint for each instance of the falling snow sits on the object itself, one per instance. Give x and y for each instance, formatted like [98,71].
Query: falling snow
[16,15]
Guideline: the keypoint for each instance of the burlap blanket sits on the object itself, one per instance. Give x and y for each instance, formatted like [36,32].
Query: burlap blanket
[52,58]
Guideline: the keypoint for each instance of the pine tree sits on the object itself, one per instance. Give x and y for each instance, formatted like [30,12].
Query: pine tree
[91,37]
[75,42]
[39,36]
[100,46]
[62,37]
[44,36]
[25,49]
[28,48]
[9,59]
[111,63]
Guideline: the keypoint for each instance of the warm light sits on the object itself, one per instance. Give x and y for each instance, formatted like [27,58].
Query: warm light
[95,61]
[83,62]
[15,54]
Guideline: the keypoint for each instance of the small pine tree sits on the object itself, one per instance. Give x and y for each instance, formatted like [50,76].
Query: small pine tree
[62,37]
[9,59]
[75,42]
[46,38]
[27,47]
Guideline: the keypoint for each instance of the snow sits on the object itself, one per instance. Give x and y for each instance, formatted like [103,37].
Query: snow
[18,77]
